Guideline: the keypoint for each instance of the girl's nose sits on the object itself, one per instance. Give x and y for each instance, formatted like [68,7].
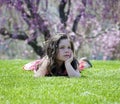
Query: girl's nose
[67,50]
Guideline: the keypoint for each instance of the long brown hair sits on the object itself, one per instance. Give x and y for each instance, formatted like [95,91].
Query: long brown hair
[52,49]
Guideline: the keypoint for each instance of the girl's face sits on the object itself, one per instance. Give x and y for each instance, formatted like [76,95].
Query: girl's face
[64,50]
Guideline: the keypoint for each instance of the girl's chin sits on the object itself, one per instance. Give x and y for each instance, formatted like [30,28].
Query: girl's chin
[66,58]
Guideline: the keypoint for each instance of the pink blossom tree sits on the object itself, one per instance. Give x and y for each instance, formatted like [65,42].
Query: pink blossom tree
[95,24]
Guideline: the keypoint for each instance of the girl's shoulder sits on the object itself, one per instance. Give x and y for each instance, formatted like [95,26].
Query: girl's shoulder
[84,63]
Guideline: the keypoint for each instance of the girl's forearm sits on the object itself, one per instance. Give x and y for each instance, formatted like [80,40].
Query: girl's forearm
[71,71]
[42,70]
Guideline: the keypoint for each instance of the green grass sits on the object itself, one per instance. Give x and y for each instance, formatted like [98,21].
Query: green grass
[98,85]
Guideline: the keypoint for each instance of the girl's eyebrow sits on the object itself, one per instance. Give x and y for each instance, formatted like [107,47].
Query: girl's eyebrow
[64,45]
[61,45]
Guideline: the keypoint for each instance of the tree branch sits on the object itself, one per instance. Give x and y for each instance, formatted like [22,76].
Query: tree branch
[64,15]
[23,36]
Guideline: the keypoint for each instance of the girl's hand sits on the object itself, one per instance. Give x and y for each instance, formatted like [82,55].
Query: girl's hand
[70,59]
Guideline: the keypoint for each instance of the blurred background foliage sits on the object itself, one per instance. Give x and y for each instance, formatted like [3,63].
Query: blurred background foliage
[94,27]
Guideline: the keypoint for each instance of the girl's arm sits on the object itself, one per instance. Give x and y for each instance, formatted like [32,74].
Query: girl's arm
[70,70]
[42,69]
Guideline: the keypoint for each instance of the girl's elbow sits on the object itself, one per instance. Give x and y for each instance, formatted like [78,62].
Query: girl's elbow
[36,75]
[76,75]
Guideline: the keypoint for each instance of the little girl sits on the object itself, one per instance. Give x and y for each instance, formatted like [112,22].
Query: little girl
[59,59]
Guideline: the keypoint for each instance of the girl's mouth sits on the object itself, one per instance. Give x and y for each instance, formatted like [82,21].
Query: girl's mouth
[67,56]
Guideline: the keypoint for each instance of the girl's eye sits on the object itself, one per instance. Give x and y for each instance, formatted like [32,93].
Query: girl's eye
[62,47]
[69,47]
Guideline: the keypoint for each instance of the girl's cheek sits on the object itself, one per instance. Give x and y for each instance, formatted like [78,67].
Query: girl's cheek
[70,54]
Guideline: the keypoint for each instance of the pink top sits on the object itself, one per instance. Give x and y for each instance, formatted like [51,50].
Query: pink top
[34,65]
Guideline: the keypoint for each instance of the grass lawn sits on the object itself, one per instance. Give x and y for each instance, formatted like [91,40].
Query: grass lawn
[98,85]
